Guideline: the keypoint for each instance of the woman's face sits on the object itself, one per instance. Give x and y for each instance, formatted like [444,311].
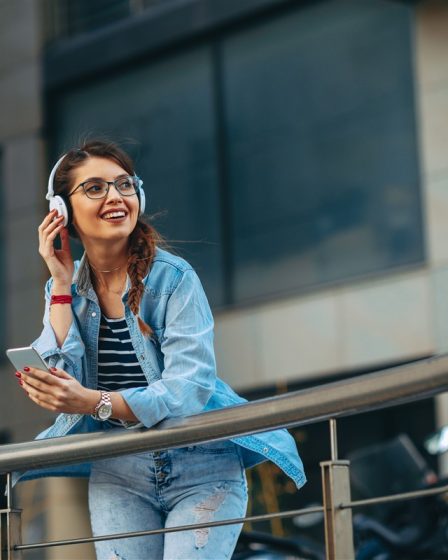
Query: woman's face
[90,216]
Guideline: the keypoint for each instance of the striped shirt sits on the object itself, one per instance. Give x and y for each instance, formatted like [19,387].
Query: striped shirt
[118,367]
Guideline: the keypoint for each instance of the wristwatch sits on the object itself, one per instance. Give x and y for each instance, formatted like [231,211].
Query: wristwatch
[103,410]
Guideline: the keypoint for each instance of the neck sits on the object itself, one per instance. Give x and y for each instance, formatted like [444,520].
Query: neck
[108,262]
[109,281]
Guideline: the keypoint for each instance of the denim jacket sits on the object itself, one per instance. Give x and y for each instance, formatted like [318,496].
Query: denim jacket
[178,362]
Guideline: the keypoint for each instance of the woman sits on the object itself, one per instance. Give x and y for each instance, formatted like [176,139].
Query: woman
[128,335]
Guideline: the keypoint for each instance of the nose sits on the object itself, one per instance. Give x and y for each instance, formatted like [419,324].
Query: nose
[113,195]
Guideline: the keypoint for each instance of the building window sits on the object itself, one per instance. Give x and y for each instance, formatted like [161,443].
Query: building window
[66,18]
[323,172]
[284,156]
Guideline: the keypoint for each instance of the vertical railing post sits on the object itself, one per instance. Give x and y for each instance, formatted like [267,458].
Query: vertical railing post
[336,491]
[10,527]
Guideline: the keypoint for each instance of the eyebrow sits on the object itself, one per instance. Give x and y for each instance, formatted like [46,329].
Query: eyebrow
[101,178]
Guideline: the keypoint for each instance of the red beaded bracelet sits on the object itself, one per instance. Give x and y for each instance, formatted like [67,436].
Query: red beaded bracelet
[61,299]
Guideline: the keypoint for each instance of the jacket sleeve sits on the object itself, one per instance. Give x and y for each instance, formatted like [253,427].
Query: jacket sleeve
[67,357]
[189,374]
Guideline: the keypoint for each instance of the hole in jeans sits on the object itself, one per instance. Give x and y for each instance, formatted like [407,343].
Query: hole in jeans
[205,512]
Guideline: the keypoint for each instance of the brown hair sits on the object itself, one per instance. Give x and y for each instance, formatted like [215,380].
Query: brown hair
[144,238]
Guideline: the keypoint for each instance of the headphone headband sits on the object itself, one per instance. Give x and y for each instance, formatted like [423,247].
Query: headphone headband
[50,192]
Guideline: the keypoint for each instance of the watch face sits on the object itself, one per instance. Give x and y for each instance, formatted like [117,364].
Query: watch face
[104,411]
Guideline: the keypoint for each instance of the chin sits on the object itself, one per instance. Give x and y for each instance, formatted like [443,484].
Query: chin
[110,236]
[117,235]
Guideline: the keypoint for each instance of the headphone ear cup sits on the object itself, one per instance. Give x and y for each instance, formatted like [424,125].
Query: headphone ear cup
[68,207]
[142,200]
[58,203]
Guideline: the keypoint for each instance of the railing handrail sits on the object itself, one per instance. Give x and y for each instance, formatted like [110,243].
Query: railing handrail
[389,387]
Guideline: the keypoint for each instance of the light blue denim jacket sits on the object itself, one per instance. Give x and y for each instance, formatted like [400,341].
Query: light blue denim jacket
[178,362]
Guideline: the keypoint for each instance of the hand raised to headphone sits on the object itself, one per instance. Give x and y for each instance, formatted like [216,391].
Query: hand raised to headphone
[59,261]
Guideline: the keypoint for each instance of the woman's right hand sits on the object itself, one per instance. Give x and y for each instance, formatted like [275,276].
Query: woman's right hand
[59,261]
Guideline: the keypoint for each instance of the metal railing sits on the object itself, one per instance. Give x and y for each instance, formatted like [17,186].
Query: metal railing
[390,387]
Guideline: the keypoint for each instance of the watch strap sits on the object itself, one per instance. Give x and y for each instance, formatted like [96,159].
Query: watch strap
[104,399]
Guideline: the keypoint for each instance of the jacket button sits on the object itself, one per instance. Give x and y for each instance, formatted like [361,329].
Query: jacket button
[94,314]
[265,450]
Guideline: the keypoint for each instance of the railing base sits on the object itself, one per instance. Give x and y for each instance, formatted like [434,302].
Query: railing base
[10,534]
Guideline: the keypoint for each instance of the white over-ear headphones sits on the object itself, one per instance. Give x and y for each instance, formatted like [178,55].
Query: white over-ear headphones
[57,202]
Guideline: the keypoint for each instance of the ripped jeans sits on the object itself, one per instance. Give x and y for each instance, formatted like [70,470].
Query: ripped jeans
[153,490]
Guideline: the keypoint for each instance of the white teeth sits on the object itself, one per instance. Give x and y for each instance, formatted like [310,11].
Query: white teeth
[113,215]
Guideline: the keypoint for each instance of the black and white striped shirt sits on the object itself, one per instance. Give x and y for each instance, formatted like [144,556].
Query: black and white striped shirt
[118,367]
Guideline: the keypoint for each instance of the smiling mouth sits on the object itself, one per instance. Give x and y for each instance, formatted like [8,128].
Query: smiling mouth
[114,216]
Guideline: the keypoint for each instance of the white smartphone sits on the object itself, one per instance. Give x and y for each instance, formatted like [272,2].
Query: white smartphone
[26,356]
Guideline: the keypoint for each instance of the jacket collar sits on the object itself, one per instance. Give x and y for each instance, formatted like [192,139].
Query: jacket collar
[82,276]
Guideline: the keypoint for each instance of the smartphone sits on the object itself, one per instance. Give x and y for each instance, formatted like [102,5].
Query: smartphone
[26,356]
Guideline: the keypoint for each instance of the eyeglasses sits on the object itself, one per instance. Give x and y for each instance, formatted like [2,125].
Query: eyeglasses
[98,188]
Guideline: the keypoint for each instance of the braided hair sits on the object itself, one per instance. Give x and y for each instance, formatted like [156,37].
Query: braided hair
[144,238]
[141,253]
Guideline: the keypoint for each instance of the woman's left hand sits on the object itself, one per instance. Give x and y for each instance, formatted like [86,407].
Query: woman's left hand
[58,391]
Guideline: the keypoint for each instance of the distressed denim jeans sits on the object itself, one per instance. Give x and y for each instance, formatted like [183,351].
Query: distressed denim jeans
[153,490]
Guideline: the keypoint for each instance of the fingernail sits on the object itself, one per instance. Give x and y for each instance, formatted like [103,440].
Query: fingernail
[18,374]
[21,382]
[54,369]
[26,369]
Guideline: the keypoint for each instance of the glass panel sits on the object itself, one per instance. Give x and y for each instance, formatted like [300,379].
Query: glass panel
[64,18]
[322,147]
[167,109]
[85,15]
[320,129]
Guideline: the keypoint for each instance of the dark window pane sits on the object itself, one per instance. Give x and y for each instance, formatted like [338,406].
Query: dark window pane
[322,147]
[85,15]
[319,144]
[166,108]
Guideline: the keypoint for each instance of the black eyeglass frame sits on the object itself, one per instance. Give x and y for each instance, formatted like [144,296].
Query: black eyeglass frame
[137,184]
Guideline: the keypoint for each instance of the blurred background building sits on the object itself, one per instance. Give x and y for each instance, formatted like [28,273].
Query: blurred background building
[293,151]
